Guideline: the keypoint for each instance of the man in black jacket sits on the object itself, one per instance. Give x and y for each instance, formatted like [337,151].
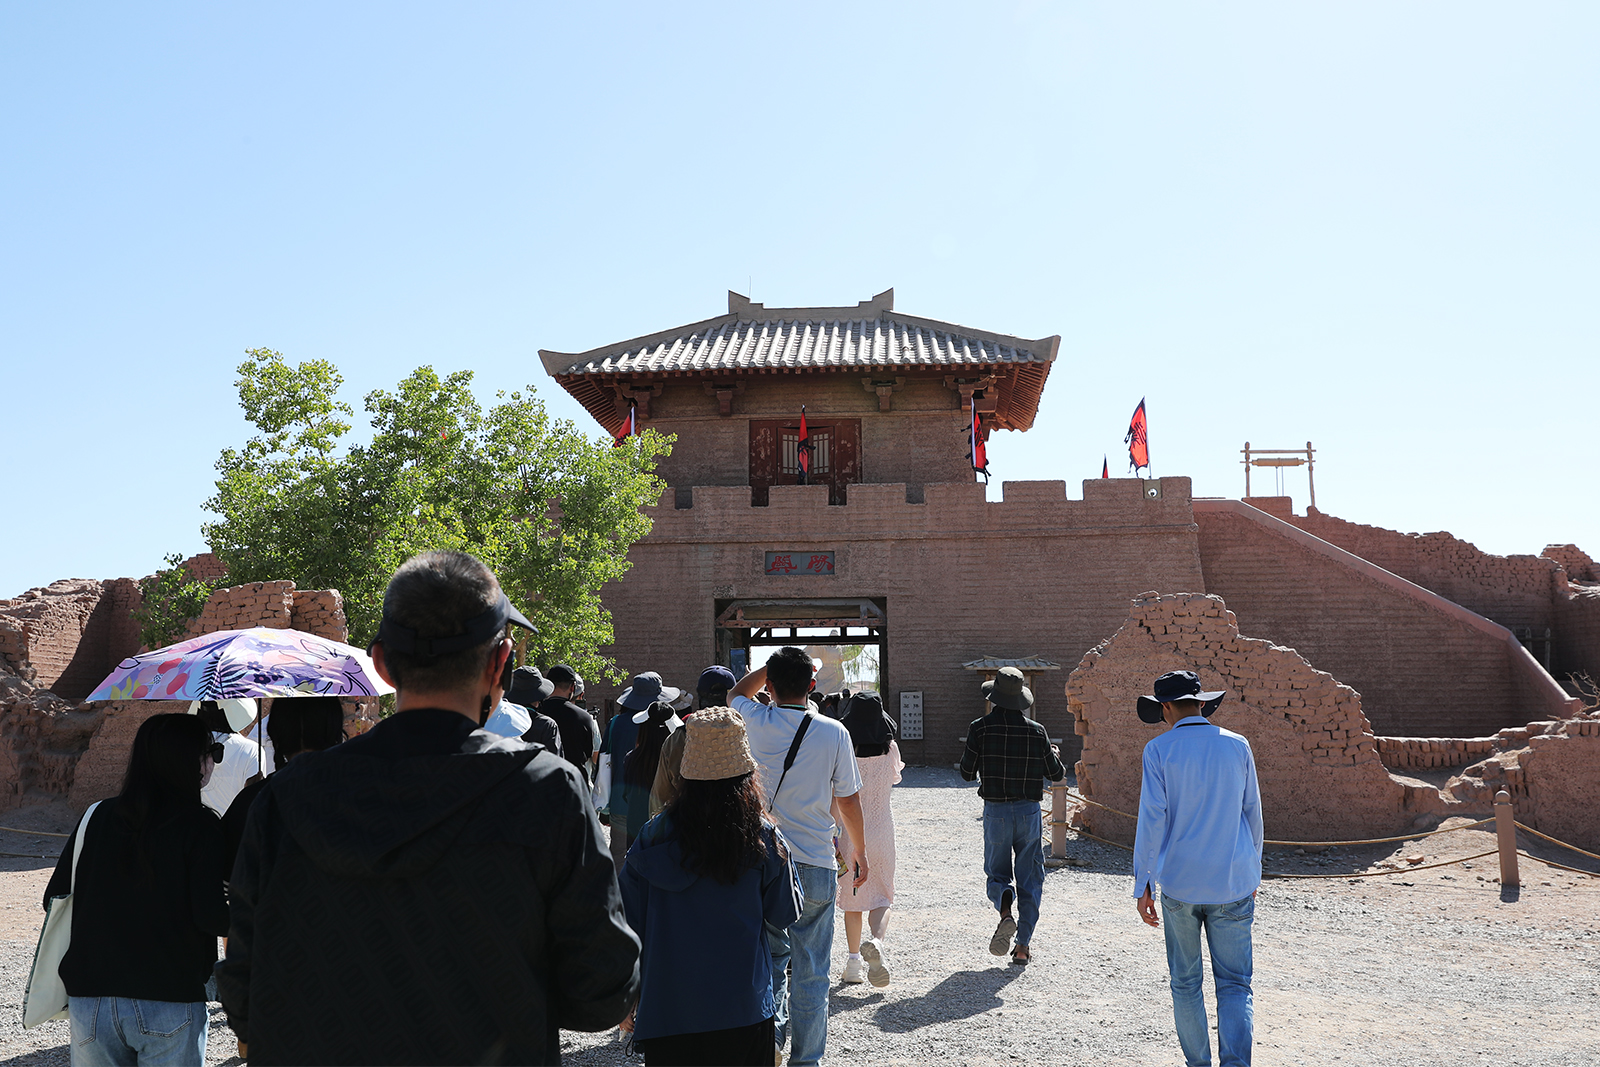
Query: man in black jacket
[428,892]
[580,737]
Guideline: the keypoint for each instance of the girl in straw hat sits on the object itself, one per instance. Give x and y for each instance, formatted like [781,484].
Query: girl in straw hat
[710,864]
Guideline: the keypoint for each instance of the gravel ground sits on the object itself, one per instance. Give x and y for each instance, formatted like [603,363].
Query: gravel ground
[1411,967]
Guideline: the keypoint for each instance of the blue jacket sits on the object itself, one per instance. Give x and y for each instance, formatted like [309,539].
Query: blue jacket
[705,962]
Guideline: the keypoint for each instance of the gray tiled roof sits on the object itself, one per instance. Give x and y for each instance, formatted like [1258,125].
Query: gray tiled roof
[752,340]
[754,337]
[841,343]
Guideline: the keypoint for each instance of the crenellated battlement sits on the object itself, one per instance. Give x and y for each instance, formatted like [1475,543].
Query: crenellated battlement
[886,510]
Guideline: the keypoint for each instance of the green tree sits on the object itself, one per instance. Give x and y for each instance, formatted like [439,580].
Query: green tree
[552,511]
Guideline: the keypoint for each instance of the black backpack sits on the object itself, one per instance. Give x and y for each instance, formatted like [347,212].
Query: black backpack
[870,727]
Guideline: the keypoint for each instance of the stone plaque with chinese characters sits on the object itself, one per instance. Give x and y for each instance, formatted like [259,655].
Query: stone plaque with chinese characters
[807,563]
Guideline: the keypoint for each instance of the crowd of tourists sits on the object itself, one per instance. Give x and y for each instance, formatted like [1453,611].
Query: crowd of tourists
[489,865]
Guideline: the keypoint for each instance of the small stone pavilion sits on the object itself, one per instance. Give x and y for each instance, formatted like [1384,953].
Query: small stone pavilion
[892,542]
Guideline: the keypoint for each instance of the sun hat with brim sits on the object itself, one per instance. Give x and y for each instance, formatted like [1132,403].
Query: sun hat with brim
[660,711]
[646,690]
[1177,685]
[241,712]
[529,687]
[1008,690]
[716,746]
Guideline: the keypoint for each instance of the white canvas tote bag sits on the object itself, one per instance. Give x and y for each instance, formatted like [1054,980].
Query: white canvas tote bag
[46,998]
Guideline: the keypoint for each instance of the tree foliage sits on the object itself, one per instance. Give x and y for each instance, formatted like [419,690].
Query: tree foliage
[552,511]
[171,597]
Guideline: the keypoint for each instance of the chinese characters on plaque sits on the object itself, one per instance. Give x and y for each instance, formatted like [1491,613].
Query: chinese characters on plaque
[784,563]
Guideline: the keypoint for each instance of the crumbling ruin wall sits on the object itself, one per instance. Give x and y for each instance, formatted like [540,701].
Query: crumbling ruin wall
[320,612]
[41,740]
[1578,564]
[1514,591]
[1553,778]
[1316,757]
[1384,635]
[240,607]
[67,636]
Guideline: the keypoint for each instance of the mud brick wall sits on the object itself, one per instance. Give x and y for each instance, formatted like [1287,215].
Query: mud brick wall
[921,440]
[41,739]
[320,612]
[1393,647]
[1514,591]
[1577,629]
[100,769]
[240,607]
[1034,574]
[1427,753]
[1578,564]
[68,635]
[1316,756]
[1551,777]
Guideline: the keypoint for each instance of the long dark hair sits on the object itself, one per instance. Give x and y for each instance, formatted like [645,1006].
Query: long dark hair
[163,774]
[304,724]
[640,768]
[717,824]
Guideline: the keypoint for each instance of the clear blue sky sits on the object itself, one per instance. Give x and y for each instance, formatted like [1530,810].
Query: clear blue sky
[1370,225]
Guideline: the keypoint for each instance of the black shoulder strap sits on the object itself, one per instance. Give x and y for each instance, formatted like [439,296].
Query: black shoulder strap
[794,750]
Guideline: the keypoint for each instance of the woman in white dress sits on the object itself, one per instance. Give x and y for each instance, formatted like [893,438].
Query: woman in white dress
[878,757]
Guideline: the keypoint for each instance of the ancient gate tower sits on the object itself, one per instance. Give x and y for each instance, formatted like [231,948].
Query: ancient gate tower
[892,542]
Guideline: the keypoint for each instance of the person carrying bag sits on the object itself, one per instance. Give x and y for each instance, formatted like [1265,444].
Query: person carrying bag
[46,997]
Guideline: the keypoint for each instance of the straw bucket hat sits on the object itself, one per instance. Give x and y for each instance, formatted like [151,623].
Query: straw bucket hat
[716,746]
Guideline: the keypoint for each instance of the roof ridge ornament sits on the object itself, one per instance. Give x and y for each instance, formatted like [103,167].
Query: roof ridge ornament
[747,309]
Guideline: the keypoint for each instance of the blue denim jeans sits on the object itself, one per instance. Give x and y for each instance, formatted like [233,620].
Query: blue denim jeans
[1227,928]
[803,1002]
[117,1032]
[1011,828]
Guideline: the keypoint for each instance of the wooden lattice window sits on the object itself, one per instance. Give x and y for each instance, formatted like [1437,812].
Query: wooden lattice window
[775,455]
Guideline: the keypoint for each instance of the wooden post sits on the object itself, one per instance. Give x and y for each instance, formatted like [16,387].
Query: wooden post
[1058,822]
[1506,830]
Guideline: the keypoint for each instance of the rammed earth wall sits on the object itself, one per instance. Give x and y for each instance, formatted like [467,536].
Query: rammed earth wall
[1315,753]
[959,577]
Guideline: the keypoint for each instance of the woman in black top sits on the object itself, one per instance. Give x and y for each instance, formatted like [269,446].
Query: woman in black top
[148,906]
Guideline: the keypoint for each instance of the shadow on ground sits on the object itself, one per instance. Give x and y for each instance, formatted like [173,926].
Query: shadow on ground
[960,996]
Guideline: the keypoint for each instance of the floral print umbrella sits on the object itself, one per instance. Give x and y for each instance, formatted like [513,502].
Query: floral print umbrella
[258,662]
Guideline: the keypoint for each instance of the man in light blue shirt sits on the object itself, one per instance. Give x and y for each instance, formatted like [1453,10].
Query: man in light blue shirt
[1200,837]
[801,798]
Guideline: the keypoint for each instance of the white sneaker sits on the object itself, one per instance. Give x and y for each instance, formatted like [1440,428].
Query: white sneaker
[852,972]
[877,966]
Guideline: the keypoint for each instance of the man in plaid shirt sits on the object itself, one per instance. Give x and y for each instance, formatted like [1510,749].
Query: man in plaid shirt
[1012,756]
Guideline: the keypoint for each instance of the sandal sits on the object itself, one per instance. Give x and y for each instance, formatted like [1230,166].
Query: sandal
[1020,961]
[1001,941]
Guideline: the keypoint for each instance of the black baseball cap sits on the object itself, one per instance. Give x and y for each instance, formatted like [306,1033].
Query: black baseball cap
[475,631]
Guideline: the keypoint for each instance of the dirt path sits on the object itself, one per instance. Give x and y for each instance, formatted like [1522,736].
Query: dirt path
[1413,967]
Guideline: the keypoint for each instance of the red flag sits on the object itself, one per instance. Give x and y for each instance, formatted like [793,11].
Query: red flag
[803,456]
[628,430]
[1138,440]
[980,454]
[1105,467]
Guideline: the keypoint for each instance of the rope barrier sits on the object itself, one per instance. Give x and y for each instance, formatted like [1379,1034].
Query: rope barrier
[1559,866]
[1319,844]
[1379,874]
[35,833]
[1558,841]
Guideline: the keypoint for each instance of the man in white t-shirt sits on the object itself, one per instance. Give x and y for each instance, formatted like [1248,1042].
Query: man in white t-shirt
[801,798]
